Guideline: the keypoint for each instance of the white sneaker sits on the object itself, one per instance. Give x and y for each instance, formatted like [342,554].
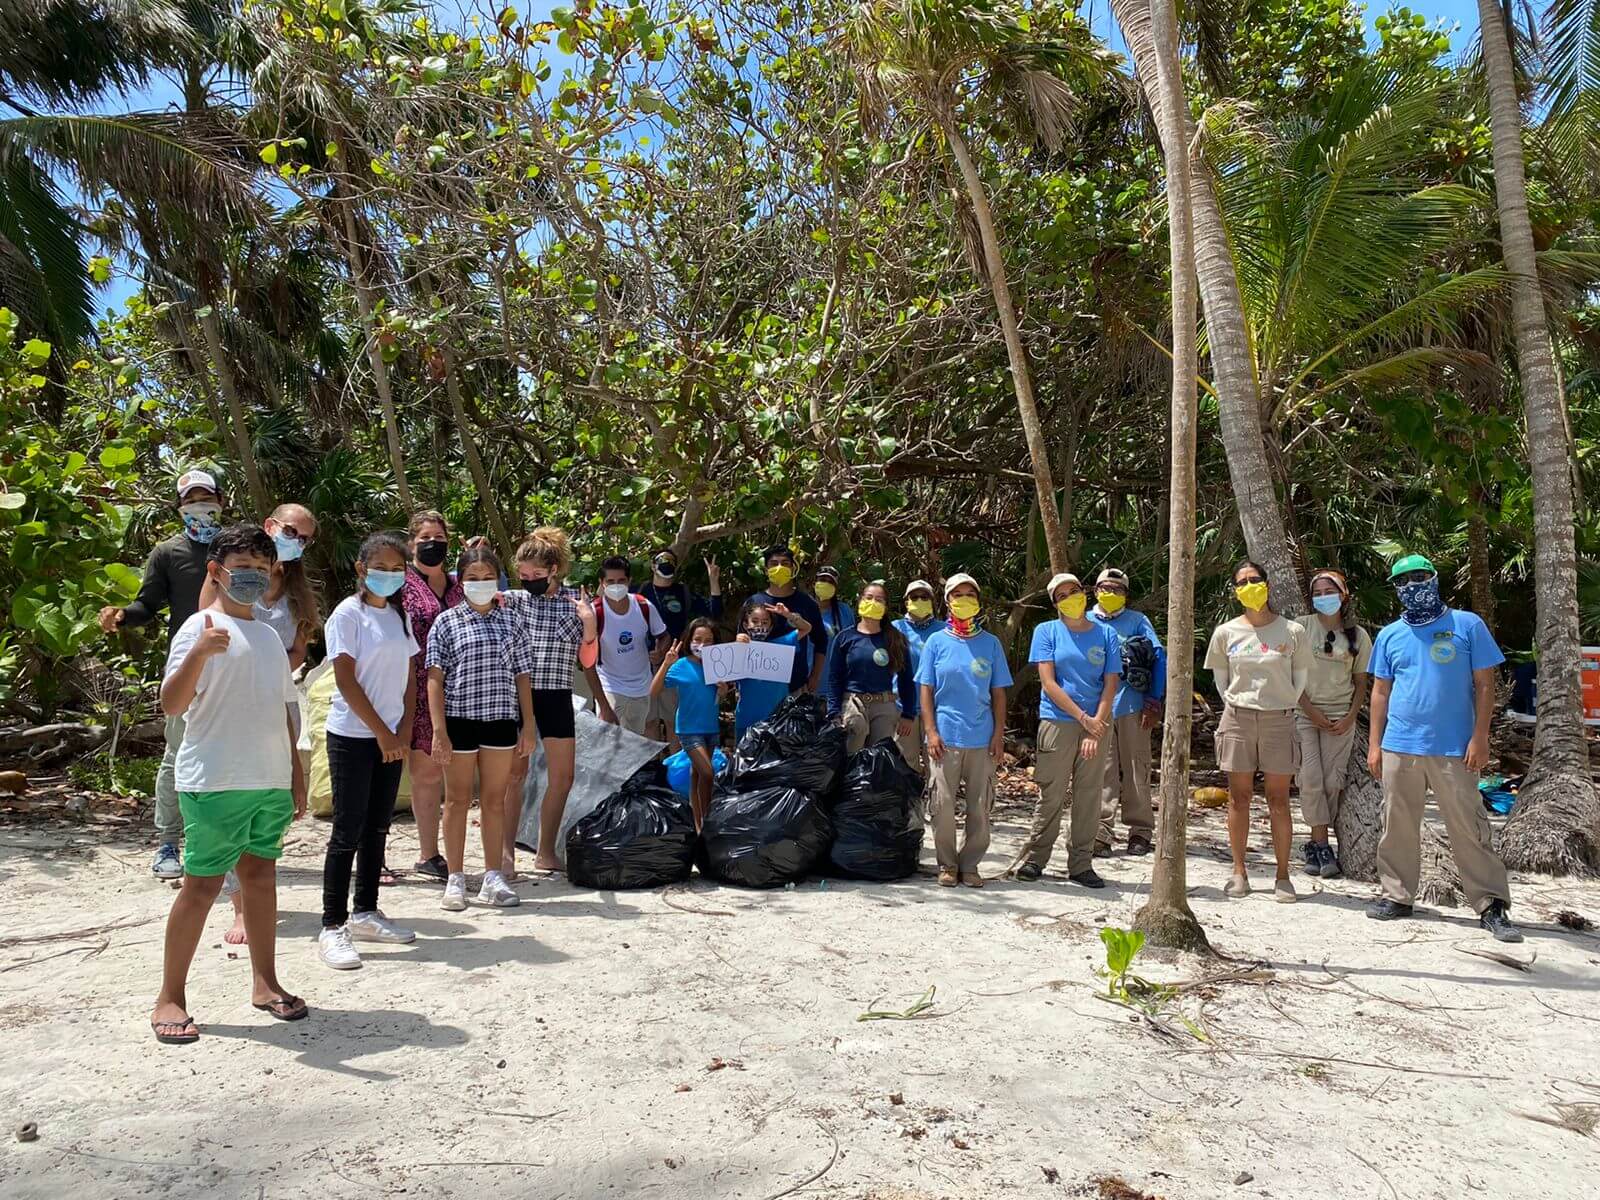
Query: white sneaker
[375,927]
[496,892]
[336,949]
[455,894]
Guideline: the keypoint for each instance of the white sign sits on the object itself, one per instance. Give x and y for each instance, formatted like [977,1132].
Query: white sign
[728,661]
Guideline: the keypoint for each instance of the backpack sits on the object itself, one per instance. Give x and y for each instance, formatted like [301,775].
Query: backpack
[1139,663]
[600,614]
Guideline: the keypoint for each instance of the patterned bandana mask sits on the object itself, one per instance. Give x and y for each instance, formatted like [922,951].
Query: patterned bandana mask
[1421,601]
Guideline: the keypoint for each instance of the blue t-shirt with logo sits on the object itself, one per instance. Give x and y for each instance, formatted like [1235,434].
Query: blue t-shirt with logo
[917,633]
[1130,624]
[961,672]
[1432,707]
[1082,662]
[759,697]
[697,699]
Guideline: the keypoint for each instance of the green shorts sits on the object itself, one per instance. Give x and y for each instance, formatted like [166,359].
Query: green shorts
[218,827]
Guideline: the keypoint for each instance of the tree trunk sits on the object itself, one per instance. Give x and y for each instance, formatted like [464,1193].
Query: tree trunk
[1233,361]
[1482,575]
[380,369]
[1166,918]
[260,498]
[469,448]
[1032,430]
[1555,825]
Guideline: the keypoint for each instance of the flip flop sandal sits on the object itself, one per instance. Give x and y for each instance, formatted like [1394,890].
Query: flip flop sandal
[181,1038]
[285,1008]
[387,878]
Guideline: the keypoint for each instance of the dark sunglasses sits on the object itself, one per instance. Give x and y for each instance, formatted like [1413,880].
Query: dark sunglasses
[305,539]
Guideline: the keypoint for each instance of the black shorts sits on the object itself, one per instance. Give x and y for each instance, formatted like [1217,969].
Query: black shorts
[468,736]
[552,713]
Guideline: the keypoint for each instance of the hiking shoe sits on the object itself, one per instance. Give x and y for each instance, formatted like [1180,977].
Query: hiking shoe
[496,892]
[1028,872]
[947,877]
[375,927]
[434,868]
[1385,909]
[1237,885]
[1103,849]
[336,950]
[455,894]
[1495,920]
[971,879]
[1283,891]
[1330,863]
[167,864]
[1312,853]
[1088,879]
[1139,844]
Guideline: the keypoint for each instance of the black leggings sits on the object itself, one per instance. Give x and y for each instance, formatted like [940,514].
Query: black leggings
[364,788]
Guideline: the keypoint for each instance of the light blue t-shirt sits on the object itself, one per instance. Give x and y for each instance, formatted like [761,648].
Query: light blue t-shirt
[1129,624]
[917,633]
[697,699]
[1082,662]
[1432,707]
[759,697]
[961,672]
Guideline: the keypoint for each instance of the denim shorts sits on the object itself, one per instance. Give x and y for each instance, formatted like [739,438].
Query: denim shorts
[690,740]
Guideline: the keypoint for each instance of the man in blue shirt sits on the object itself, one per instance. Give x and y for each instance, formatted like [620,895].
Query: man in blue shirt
[811,654]
[962,678]
[1432,697]
[918,625]
[1134,713]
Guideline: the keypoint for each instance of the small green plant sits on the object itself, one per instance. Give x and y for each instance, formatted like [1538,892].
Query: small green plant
[1122,947]
[124,777]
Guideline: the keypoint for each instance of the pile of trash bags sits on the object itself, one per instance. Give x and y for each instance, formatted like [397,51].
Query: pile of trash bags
[796,747]
[640,836]
[877,820]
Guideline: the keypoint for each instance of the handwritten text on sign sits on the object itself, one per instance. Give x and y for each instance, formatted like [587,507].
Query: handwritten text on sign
[728,661]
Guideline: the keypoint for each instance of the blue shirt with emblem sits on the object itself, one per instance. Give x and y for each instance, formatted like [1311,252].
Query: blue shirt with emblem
[961,671]
[1131,624]
[917,633]
[1082,661]
[758,698]
[859,662]
[1432,707]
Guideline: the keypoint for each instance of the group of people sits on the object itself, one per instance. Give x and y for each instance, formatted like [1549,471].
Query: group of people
[460,673]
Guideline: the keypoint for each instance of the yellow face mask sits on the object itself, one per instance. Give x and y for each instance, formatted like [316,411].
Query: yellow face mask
[1072,607]
[826,591]
[873,610]
[780,575]
[964,608]
[1252,595]
[1110,603]
[919,610]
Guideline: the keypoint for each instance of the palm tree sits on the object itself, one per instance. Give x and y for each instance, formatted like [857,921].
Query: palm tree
[1556,823]
[933,62]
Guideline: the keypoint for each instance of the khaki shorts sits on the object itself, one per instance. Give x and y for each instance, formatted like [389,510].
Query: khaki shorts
[1249,740]
[664,708]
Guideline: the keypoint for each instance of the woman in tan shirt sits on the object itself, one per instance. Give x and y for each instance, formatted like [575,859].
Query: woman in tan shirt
[1261,662]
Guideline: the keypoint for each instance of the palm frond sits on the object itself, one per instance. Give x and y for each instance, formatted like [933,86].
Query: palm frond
[43,277]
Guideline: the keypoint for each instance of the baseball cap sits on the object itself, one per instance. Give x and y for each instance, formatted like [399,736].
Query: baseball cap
[195,478]
[828,572]
[956,581]
[1412,562]
[1112,575]
[1058,580]
[919,584]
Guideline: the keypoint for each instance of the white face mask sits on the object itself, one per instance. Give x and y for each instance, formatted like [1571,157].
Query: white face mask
[696,649]
[616,591]
[480,591]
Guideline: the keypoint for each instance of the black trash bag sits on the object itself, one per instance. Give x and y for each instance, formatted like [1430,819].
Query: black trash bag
[640,836]
[796,747]
[877,822]
[763,838]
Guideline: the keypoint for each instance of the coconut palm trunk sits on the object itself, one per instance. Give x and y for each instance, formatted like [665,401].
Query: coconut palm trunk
[1166,918]
[1055,538]
[1556,823]
[211,328]
[1233,359]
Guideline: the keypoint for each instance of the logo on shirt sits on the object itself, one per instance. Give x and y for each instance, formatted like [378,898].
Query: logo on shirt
[625,640]
[1443,651]
[672,604]
[981,668]
[1096,656]
[881,657]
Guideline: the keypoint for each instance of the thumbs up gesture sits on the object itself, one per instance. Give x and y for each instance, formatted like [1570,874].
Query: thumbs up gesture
[212,640]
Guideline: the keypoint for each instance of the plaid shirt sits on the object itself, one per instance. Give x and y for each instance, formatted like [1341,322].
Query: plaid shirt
[553,631]
[481,654]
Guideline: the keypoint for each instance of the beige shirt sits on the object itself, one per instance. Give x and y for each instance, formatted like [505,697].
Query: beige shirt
[1263,669]
[1332,683]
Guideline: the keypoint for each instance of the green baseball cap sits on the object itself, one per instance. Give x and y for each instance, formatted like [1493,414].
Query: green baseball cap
[1412,562]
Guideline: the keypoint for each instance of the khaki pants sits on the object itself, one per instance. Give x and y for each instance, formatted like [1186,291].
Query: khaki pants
[913,750]
[1324,758]
[169,821]
[1407,780]
[633,712]
[869,718]
[1127,780]
[1060,772]
[975,769]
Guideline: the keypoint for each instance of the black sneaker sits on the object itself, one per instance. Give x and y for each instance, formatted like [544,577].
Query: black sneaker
[1139,844]
[434,868]
[1330,863]
[1089,879]
[1028,872]
[1313,856]
[1494,919]
[1385,909]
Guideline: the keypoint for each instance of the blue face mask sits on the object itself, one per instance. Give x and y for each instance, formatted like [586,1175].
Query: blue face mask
[289,548]
[202,521]
[246,585]
[1422,602]
[1328,605]
[385,583]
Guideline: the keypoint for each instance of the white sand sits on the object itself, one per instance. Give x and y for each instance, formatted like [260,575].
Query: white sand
[562,1049]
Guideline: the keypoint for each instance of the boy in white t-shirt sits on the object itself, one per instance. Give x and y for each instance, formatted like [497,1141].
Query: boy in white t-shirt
[239,781]
[629,626]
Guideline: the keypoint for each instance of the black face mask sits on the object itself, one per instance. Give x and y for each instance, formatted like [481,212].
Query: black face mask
[666,568]
[431,553]
[536,587]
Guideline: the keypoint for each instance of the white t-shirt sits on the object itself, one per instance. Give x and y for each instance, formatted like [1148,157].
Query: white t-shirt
[236,734]
[625,649]
[382,648]
[280,619]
